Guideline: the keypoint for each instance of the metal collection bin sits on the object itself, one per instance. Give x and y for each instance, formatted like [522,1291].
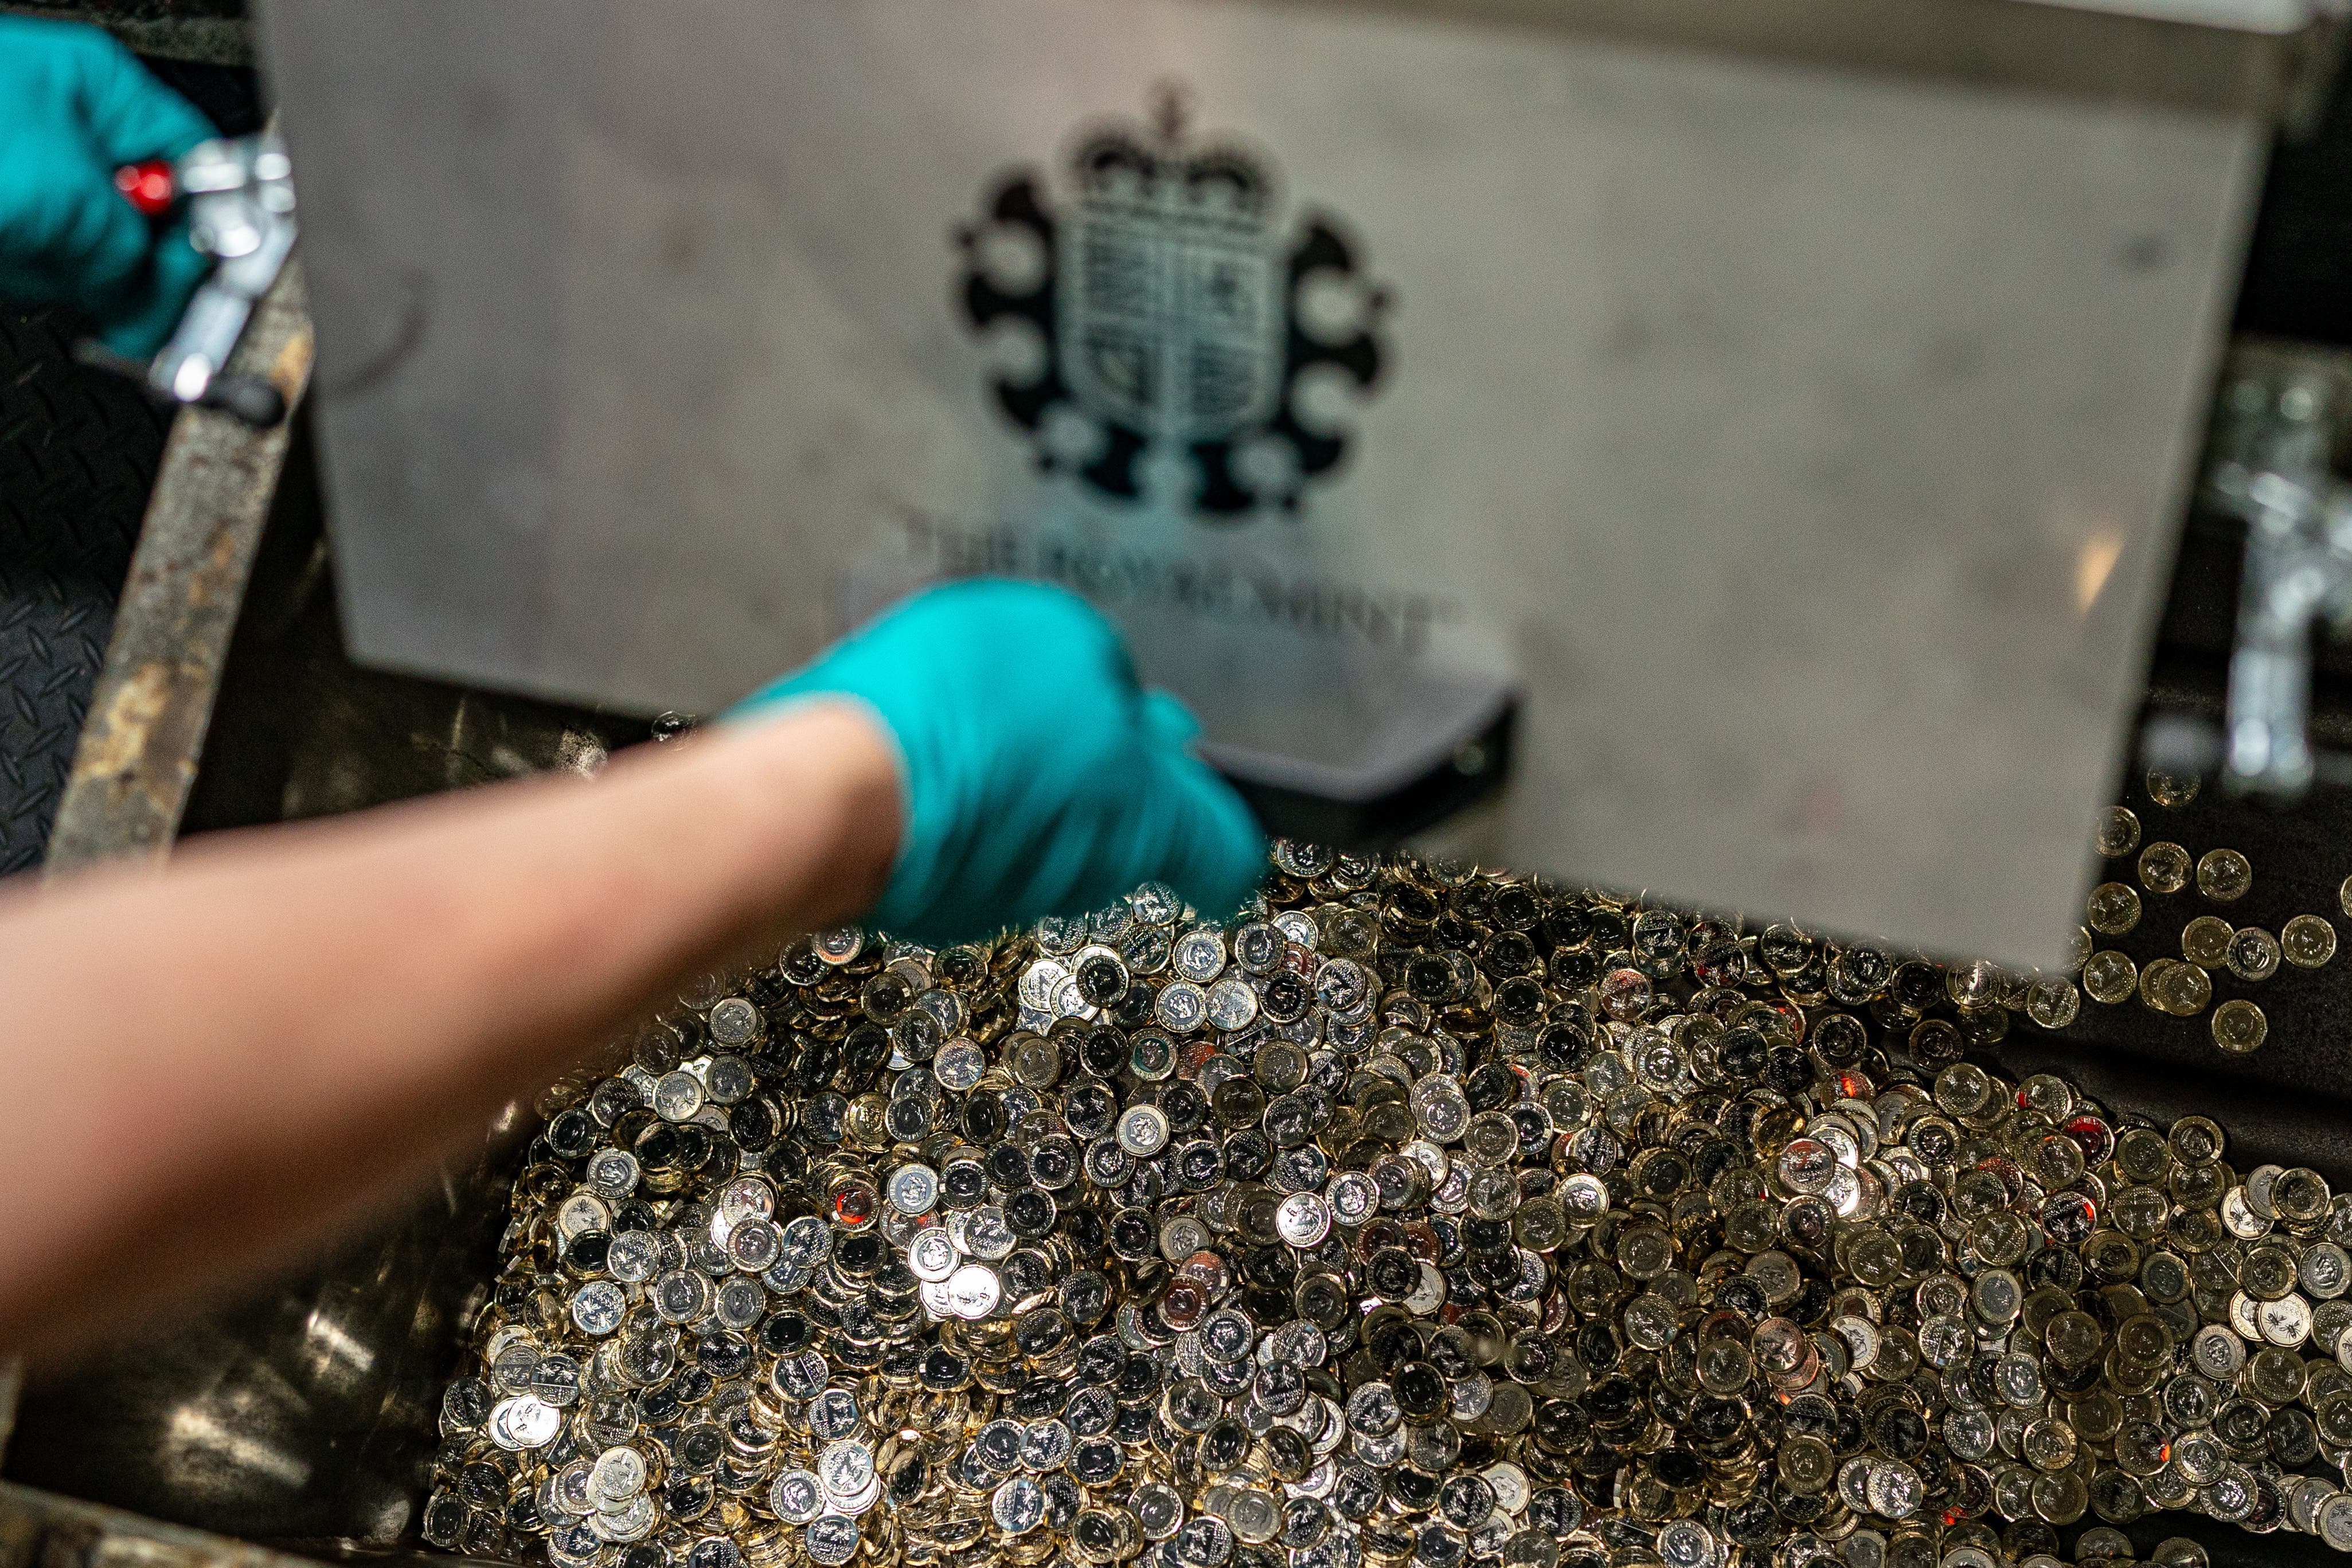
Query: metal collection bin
[297,1424]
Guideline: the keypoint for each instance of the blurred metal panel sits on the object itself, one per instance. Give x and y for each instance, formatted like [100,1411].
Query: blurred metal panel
[1790,399]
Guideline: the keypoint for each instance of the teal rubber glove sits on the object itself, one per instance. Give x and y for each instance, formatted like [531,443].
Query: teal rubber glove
[74,107]
[1038,778]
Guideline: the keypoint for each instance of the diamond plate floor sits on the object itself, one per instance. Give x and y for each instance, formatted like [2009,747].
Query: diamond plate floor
[77,452]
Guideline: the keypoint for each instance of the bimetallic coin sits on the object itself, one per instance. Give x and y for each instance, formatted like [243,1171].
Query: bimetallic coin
[734,1022]
[1352,1197]
[677,1096]
[597,1308]
[2164,868]
[633,1521]
[1180,1007]
[959,1065]
[2224,876]
[2113,909]
[581,1213]
[830,1540]
[974,1290]
[2286,1321]
[839,945]
[1303,1219]
[1686,1543]
[1018,1506]
[633,1257]
[613,1173]
[914,1189]
[833,1415]
[2216,1352]
[2205,941]
[2109,976]
[1143,1131]
[2307,941]
[796,1497]
[845,1468]
[1232,1005]
[619,1472]
[931,1255]
[1045,1446]
[1257,945]
[1199,955]
[1893,1489]
[2238,1025]
[524,1421]
[2118,833]
[2333,1517]
[2253,954]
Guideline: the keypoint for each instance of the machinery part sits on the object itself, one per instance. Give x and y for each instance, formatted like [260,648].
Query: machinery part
[2276,439]
[1458,754]
[1773,655]
[239,196]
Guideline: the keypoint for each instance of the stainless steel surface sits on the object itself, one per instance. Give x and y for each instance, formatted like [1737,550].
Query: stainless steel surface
[2283,414]
[1804,439]
[299,1416]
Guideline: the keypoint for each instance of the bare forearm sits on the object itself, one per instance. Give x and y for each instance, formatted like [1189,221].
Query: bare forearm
[210,1068]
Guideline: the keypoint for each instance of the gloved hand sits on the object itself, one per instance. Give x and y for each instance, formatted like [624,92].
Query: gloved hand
[74,106]
[1038,778]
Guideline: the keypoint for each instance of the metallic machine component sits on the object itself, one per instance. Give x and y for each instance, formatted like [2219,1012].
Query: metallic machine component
[1787,405]
[241,213]
[2279,427]
[239,199]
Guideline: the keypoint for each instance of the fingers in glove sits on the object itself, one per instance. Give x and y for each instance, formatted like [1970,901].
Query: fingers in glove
[130,116]
[1213,853]
[64,231]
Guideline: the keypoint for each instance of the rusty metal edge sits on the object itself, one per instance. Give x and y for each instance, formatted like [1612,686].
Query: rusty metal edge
[139,747]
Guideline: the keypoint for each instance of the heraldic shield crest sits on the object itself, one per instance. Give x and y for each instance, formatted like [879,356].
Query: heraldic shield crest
[1159,306]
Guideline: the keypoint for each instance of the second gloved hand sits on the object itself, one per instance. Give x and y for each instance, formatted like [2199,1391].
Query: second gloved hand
[1038,778]
[75,105]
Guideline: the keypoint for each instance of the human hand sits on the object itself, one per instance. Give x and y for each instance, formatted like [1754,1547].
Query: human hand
[74,107]
[1037,777]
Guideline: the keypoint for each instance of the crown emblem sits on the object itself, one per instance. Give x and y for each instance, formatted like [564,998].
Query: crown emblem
[1160,320]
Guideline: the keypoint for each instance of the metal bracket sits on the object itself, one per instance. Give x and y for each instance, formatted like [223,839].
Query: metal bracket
[239,196]
[2274,442]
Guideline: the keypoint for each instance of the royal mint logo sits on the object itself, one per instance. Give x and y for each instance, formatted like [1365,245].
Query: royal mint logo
[1162,332]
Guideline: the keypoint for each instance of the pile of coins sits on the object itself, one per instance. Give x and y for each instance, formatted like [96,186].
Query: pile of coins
[2183,986]
[1423,1214]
